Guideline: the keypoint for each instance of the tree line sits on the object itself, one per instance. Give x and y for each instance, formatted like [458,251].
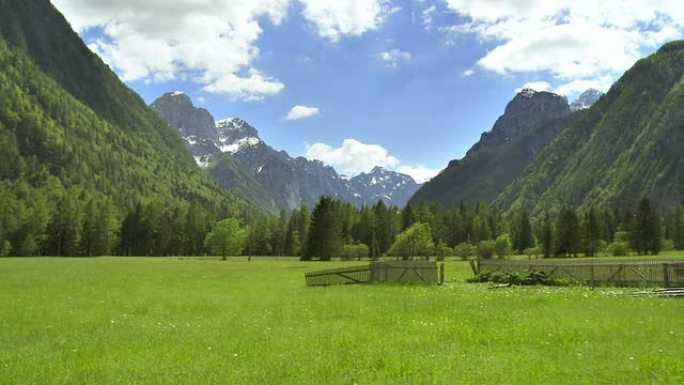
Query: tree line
[430,230]
[57,222]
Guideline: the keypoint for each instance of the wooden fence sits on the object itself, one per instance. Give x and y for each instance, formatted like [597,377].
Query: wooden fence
[397,271]
[637,273]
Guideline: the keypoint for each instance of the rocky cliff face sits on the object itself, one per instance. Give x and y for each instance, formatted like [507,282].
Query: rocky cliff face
[526,110]
[529,123]
[272,179]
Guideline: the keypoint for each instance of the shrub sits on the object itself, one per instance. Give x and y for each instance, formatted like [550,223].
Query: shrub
[533,252]
[487,249]
[618,249]
[464,250]
[517,278]
[348,253]
[6,249]
[442,250]
[361,250]
[667,245]
[503,245]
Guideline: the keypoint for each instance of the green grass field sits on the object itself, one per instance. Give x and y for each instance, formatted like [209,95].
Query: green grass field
[190,321]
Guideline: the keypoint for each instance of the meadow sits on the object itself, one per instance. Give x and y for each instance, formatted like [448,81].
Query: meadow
[205,321]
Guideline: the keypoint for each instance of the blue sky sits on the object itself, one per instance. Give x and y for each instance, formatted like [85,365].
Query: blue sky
[408,85]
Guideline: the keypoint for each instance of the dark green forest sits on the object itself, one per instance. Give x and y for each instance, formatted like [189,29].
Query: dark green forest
[87,168]
[432,230]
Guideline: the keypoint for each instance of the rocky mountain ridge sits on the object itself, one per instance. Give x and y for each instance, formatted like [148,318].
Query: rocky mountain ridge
[531,120]
[233,153]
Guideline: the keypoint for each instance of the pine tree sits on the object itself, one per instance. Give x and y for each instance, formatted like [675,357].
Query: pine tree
[646,231]
[325,233]
[407,217]
[591,232]
[568,235]
[546,237]
[64,228]
[677,227]
[522,232]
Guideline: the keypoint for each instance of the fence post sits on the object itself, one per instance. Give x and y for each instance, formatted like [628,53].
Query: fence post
[666,275]
[441,273]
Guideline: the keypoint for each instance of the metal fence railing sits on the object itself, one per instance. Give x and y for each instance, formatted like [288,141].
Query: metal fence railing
[636,273]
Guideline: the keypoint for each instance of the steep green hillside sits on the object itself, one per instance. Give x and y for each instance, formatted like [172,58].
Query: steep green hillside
[483,175]
[229,174]
[530,121]
[628,145]
[80,150]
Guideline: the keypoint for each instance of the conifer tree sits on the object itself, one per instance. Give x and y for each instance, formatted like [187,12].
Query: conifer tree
[522,232]
[325,233]
[591,232]
[677,227]
[568,235]
[646,231]
[546,237]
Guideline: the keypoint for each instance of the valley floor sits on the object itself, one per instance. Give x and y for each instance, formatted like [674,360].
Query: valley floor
[204,321]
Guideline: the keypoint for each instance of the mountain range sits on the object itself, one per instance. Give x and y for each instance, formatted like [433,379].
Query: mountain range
[602,150]
[232,152]
[531,120]
[626,146]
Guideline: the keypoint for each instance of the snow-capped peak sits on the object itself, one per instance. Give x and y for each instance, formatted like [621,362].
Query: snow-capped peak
[586,99]
[527,92]
[177,93]
[238,145]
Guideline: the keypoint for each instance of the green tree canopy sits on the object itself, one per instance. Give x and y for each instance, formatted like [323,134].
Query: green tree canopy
[227,237]
[415,241]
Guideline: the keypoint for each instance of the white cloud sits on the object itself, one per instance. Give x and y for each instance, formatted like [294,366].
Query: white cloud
[334,18]
[427,17]
[468,72]
[569,39]
[537,86]
[354,157]
[210,42]
[578,86]
[301,112]
[392,57]
[419,173]
[250,88]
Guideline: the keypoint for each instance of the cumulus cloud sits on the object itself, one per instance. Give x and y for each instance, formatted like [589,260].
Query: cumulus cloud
[468,72]
[576,41]
[574,87]
[301,112]
[209,42]
[354,157]
[537,86]
[392,57]
[334,18]
[419,173]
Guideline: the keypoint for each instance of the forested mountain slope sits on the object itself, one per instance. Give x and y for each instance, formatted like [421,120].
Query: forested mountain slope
[530,121]
[81,152]
[627,145]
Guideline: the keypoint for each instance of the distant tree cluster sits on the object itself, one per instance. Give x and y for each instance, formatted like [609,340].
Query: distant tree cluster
[56,222]
[430,230]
